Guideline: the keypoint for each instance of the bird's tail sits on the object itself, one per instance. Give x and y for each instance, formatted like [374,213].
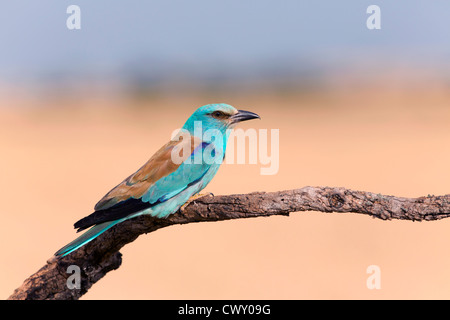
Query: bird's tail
[89,235]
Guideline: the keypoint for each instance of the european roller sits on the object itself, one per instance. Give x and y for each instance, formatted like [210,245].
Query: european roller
[176,173]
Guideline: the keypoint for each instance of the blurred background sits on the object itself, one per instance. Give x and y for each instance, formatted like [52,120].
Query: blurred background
[80,110]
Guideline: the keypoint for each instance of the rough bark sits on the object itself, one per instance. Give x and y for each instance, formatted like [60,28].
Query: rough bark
[102,255]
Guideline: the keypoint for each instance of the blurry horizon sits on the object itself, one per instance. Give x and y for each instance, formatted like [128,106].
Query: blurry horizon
[143,46]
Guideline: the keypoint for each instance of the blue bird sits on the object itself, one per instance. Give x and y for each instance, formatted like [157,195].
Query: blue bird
[175,174]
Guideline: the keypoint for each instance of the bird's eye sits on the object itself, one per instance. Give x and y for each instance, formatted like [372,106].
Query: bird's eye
[218,114]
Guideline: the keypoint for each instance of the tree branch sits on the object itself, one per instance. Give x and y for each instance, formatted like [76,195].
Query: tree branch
[102,255]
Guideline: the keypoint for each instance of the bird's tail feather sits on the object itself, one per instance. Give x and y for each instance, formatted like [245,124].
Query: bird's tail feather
[89,235]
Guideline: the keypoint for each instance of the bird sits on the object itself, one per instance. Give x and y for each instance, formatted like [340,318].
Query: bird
[171,178]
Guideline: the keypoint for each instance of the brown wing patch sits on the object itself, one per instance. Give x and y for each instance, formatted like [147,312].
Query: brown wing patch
[159,166]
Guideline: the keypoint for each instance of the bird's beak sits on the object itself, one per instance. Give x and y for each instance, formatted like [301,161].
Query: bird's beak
[243,115]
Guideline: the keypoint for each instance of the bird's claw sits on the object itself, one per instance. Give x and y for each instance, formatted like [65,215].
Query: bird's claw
[195,197]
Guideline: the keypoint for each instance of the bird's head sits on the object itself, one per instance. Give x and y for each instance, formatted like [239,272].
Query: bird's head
[218,116]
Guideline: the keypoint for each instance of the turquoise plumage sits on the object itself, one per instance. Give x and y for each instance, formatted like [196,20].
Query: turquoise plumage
[175,173]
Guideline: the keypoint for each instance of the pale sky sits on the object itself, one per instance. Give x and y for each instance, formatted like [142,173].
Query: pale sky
[212,36]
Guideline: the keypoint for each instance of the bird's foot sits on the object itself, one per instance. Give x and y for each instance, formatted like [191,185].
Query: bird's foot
[195,197]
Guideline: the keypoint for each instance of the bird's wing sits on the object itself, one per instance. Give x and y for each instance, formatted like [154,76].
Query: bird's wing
[156,181]
[159,166]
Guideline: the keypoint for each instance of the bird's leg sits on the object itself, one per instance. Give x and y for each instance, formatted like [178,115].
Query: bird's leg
[195,197]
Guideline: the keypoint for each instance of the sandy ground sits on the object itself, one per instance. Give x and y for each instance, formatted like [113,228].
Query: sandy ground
[60,155]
